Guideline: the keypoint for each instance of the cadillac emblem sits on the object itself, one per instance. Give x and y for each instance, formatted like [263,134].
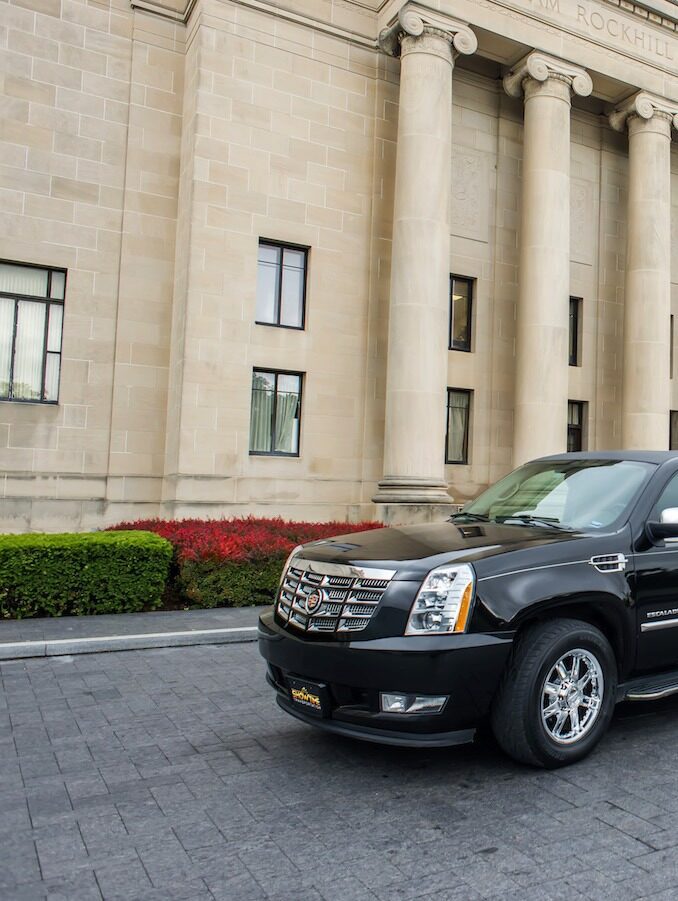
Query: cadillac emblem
[313,601]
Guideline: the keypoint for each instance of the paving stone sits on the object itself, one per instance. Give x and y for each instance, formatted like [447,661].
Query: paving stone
[242,887]
[199,835]
[121,884]
[347,889]
[83,887]
[597,887]
[170,775]
[411,889]
[14,815]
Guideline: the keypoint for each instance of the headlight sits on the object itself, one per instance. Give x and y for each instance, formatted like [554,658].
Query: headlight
[296,550]
[443,602]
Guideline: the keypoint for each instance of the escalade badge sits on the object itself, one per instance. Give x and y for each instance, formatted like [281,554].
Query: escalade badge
[313,601]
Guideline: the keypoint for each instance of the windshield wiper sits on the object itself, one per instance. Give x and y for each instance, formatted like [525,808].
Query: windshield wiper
[473,517]
[548,522]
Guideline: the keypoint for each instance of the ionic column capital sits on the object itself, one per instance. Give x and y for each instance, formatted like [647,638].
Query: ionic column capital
[540,68]
[413,20]
[644,106]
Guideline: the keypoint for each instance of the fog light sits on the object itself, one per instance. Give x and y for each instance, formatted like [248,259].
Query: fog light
[392,702]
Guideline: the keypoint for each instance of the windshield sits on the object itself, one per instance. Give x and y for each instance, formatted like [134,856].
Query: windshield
[575,494]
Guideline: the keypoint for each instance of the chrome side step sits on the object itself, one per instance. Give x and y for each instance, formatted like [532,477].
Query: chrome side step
[652,695]
[650,688]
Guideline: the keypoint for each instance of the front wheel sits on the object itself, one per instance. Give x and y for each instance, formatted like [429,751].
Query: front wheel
[557,695]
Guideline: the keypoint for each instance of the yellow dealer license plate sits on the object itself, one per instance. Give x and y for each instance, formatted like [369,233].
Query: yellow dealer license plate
[312,697]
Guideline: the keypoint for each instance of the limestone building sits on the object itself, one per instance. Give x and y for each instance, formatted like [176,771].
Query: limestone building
[328,258]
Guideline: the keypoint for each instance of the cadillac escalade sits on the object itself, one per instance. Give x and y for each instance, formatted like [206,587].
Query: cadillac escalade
[536,608]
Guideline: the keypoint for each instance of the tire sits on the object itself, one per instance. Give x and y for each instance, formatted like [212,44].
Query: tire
[527,715]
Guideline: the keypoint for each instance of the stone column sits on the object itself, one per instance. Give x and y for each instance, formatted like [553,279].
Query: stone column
[646,388]
[541,374]
[416,379]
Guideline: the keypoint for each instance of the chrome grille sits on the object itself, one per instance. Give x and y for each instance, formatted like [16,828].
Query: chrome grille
[358,610]
[350,595]
[374,583]
[356,624]
[367,597]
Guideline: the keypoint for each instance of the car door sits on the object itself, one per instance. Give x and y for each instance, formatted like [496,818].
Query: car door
[656,593]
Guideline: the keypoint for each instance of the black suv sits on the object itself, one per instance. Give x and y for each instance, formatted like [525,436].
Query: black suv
[541,604]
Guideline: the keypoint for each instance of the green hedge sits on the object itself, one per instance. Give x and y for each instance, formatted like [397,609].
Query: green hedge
[100,572]
[219,583]
[234,562]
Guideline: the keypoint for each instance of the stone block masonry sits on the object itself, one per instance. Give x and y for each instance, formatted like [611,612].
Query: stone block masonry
[147,148]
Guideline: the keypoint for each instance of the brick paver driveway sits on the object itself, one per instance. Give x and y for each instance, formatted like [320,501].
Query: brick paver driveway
[171,774]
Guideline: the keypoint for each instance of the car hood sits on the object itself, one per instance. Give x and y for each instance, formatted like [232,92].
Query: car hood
[414,550]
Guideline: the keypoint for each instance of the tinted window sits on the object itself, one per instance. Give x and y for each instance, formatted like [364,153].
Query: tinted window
[668,498]
[275,412]
[31,318]
[577,494]
[458,414]
[461,300]
[281,285]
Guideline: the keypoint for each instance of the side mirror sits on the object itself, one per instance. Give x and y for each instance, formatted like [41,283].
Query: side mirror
[667,529]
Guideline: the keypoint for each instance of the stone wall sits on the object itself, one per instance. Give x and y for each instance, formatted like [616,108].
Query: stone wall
[148,157]
[90,135]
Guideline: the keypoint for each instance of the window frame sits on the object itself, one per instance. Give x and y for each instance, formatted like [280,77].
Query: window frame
[285,245]
[467,431]
[581,428]
[47,301]
[671,348]
[274,410]
[672,414]
[466,348]
[574,334]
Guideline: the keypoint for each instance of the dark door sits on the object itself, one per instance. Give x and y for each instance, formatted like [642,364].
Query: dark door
[656,584]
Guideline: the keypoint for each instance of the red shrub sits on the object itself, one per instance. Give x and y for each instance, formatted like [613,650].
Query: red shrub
[243,540]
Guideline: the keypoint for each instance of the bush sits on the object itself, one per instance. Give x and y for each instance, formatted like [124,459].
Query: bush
[235,562]
[213,583]
[56,575]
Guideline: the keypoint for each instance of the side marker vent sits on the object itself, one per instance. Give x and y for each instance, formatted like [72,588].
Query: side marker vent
[609,563]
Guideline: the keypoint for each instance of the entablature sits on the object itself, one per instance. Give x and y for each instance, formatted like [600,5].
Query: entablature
[625,45]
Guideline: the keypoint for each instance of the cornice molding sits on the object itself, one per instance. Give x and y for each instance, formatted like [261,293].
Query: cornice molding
[162,11]
[181,15]
[413,19]
[541,67]
[644,106]
[661,13]
[658,12]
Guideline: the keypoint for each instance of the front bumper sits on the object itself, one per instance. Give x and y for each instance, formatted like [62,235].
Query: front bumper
[467,667]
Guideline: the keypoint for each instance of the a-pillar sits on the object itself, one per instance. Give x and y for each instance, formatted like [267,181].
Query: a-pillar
[414,486]
[647,285]
[542,316]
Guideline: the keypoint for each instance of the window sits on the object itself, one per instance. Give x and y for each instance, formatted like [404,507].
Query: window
[276,412]
[671,338]
[461,302]
[576,415]
[458,418]
[578,494]
[281,285]
[673,430]
[31,317]
[667,499]
[575,331]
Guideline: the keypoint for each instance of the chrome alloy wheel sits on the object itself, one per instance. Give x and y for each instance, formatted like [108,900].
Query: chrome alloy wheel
[572,696]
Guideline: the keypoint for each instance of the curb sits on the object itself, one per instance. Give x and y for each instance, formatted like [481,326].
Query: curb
[59,647]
